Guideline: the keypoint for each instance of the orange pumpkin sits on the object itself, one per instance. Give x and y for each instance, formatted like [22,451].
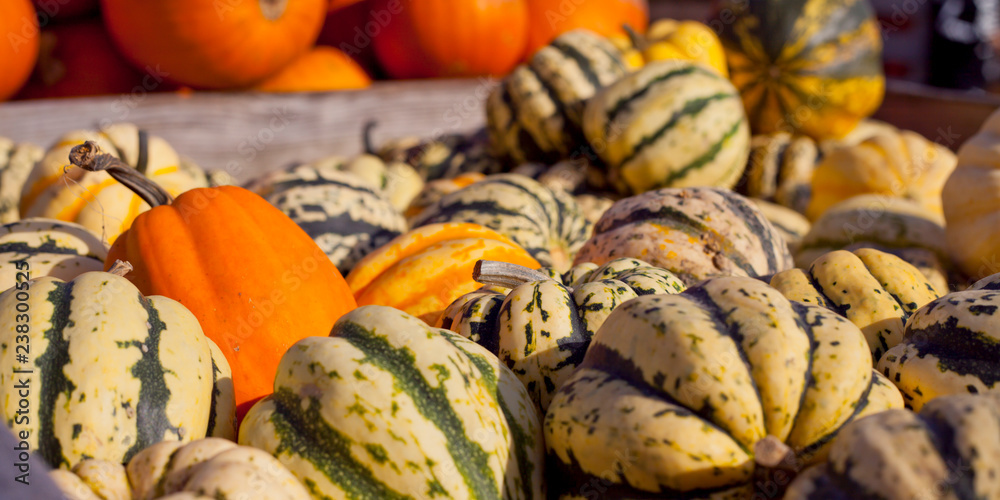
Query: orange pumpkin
[79,59]
[62,10]
[551,18]
[423,271]
[214,44]
[449,38]
[320,69]
[256,282]
[19,45]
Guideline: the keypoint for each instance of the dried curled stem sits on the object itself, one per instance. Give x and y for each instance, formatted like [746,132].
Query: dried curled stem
[121,268]
[89,156]
[771,451]
[505,274]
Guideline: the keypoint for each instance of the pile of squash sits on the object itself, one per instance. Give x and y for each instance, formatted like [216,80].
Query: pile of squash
[677,264]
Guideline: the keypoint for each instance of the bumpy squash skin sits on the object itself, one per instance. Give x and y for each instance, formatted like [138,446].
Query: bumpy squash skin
[50,247]
[388,406]
[951,346]
[695,233]
[112,371]
[745,363]
[16,162]
[950,450]
[875,290]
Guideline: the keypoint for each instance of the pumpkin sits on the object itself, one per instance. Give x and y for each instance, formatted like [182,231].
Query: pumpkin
[16,162]
[673,39]
[671,124]
[947,451]
[437,189]
[545,222]
[79,59]
[877,291]
[93,199]
[542,327]
[695,233]
[901,163]
[751,379]
[442,157]
[388,407]
[894,225]
[780,169]
[792,225]
[536,113]
[206,468]
[184,249]
[427,268]
[949,347]
[92,368]
[551,18]
[20,48]
[318,70]
[49,247]
[342,213]
[64,9]
[812,67]
[971,201]
[449,38]
[214,45]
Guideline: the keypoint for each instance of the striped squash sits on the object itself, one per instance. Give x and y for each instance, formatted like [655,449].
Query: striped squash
[792,225]
[443,157]
[109,371]
[780,169]
[546,222]
[593,205]
[695,233]
[16,162]
[894,225]
[809,66]
[536,113]
[671,124]
[542,326]
[948,451]
[63,250]
[93,199]
[898,163]
[434,190]
[951,346]
[877,291]
[341,212]
[388,407]
[684,396]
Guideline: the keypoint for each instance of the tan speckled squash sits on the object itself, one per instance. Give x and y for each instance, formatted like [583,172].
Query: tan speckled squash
[16,162]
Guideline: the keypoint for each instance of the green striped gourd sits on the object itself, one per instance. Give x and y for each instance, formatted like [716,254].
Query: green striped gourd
[877,291]
[948,451]
[443,157]
[546,222]
[695,233]
[63,250]
[341,212]
[541,327]
[780,169]
[686,395]
[536,113]
[204,469]
[950,346]
[895,225]
[16,162]
[388,407]
[111,372]
[792,225]
[670,124]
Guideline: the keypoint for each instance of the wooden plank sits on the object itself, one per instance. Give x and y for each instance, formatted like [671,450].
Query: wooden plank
[947,117]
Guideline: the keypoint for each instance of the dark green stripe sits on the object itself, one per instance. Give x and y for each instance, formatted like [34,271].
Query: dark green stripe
[961,473]
[53,381]
[859,406]
[625,101]
[582,61]
[691,108]
[957,349]
[216,394]
[754,221]
[49,247]
[802,320]
[142,160]
[482,318]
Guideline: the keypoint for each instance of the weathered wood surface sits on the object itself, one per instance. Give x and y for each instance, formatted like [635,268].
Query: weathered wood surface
[247,134]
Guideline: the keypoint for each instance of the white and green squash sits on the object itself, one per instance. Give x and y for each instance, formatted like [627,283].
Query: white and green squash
[443,157]
[16,162]
[780,169]
[49,247]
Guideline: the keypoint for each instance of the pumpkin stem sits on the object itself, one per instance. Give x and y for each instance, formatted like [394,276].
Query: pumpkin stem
[366,137]
[505,274]
[121,268]
[637,41]
[771,451]
[88,156]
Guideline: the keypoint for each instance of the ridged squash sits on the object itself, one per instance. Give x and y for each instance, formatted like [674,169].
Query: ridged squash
[877,291]
[541,322]
[16,162]
[812,67]
[684,396]
[670,124]
[780,169]
[546,222]
[434,190]
[668,39]
[951,346]
[389,407]
[536,113]
[109,371]
[948,451]
[49,247]
[443,157]
[695,233]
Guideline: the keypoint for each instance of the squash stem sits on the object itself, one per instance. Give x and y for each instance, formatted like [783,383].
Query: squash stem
[771,451]
[505,274]
[89,156]
[366,137]
[121,268]
[637,41]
